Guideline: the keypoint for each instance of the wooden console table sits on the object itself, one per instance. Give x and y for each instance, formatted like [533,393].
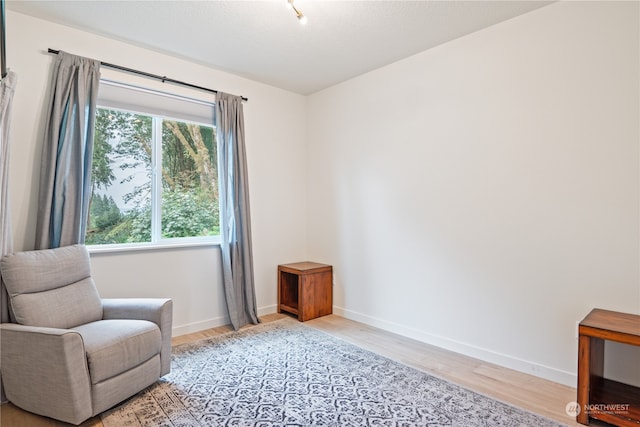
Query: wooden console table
[305,289]
[599,398]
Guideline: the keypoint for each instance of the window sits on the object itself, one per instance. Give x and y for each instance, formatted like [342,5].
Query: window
[154,171]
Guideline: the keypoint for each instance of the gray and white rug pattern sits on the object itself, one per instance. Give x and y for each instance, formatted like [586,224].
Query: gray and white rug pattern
[284,373]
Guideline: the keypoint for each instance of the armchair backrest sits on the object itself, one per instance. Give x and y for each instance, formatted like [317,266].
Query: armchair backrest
[51,287]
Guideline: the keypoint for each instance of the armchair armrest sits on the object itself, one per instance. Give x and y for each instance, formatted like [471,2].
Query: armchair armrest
[43,369]
[156,310]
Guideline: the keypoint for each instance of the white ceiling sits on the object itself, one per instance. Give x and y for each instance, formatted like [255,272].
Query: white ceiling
[263,40]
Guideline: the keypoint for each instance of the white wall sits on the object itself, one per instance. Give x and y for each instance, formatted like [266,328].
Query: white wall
[484,195]
[276,149]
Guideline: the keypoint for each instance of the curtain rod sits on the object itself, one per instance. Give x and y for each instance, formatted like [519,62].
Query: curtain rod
[164,79]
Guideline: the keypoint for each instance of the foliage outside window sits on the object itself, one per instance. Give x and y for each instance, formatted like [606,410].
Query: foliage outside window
[153,179]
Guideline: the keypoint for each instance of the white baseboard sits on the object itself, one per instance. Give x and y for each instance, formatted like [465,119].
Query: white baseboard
[200,326]
[215,322]
[521,365]
[269,309]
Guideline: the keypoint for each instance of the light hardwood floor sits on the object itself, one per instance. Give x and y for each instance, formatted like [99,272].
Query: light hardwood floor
[525,391]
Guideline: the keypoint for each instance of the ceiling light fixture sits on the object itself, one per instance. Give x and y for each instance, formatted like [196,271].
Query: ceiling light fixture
[301,18]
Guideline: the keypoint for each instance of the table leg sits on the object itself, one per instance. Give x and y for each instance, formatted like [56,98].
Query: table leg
[584,377]
[590,371]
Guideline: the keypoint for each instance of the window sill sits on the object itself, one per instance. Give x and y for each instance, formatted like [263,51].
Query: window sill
[103,249]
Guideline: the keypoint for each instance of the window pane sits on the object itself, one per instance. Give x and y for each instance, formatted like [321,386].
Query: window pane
[153,178]
[120,210]
[189,180]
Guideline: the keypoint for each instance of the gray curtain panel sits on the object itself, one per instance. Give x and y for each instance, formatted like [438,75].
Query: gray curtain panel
[65,180]
[235,219]
[7,89]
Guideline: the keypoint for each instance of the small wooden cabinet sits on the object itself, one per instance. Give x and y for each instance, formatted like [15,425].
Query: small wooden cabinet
[305,289]
[600,398]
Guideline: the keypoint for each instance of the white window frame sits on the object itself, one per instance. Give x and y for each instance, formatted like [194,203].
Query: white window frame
[127,103]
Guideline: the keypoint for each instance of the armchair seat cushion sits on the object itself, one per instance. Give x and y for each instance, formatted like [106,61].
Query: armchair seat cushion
[115,346]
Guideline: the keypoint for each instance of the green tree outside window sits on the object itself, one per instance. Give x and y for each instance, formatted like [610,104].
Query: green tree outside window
[123,183]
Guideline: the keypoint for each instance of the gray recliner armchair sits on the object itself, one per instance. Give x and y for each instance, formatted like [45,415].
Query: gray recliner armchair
[69,354]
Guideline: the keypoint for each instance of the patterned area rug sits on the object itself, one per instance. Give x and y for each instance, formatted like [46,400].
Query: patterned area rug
[284,373]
